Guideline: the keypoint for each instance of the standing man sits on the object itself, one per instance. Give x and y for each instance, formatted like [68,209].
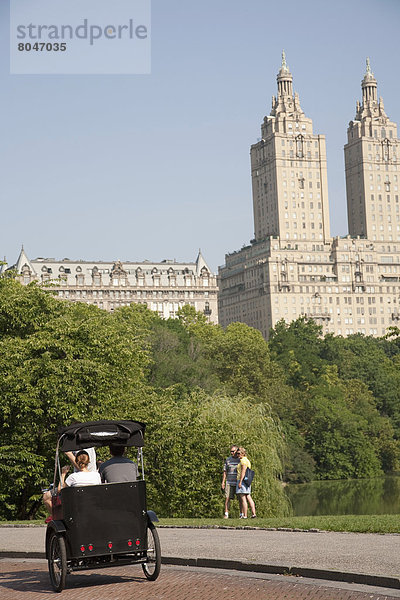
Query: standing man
[229,478]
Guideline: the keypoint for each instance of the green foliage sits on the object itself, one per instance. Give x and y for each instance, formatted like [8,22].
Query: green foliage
[297,347]
[188,439]
[336,437]
[178,357]
[314,407]
[377,428]
[59,362]
[364,358]
[299,465]
[347,408]
[241,358]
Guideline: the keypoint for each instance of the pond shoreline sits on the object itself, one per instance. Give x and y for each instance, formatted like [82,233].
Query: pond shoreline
[375,496]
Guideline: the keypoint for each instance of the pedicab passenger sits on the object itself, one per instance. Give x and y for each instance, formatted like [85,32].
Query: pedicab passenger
[92,466]
[118,468]
[83,476]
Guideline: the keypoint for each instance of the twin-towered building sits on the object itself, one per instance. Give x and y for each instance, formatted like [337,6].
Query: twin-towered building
[293,267]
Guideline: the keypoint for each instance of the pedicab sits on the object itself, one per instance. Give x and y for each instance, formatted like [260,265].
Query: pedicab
[99,526]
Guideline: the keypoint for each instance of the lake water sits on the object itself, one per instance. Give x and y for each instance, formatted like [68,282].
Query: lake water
[380,495]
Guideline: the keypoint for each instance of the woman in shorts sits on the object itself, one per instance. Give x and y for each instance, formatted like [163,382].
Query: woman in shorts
[242,490]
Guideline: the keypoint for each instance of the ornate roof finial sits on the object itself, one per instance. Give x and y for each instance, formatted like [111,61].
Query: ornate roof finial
[369,72]
[284,64]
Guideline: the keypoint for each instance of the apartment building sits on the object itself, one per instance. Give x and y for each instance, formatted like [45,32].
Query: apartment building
[293,266]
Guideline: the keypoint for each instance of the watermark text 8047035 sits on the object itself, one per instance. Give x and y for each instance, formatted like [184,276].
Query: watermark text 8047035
[42,47]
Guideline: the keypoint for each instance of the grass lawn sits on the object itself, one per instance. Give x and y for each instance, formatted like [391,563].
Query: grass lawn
[355,523]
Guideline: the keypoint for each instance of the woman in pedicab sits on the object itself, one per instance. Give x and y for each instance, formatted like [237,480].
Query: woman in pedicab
[104,525]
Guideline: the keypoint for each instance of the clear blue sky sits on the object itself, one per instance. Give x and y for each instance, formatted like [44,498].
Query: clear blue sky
[136,167]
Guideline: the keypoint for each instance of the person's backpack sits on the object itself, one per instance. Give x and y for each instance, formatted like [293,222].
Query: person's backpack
[249,476]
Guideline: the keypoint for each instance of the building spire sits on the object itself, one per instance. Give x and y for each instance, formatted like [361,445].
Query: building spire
[369,91]
[284,65]
[284,79]
[285,101]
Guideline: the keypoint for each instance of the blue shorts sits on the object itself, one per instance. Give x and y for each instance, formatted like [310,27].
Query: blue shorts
[244,489]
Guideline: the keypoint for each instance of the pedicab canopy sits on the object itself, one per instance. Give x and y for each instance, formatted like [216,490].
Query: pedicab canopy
[101,433]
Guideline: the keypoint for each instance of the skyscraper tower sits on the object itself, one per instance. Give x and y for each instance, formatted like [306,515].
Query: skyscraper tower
[289,172]
[371,159]
[348,284]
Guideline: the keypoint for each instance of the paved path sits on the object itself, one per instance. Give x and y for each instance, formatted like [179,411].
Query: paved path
[347,552]
[29,580]
[369,554]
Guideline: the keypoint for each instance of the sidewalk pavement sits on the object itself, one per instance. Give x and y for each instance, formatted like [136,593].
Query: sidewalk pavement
[353,557]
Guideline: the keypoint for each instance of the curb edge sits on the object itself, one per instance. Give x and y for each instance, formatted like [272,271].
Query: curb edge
[213,563]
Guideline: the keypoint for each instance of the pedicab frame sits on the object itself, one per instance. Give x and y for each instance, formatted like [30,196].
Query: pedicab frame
[105,525]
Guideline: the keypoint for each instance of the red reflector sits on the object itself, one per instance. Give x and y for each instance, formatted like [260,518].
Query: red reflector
[130,543]
[110,545]
[137,542]
[90,547]
[82,548]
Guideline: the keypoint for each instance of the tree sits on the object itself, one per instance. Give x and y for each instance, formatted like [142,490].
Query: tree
[179,357]
[59,362]
[346,410]
[241,359]
[187,438]
[337,438]
[364,358]
[297,348]
[378,428]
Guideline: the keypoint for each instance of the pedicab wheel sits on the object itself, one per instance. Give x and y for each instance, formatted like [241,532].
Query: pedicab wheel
[152,566]
[57,561]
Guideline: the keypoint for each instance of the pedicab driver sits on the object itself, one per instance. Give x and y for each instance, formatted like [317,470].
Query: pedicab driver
[118,468]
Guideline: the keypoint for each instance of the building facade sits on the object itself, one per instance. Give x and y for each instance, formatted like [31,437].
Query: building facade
[288,168]
[293,267]
[371,154]
[164,287]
